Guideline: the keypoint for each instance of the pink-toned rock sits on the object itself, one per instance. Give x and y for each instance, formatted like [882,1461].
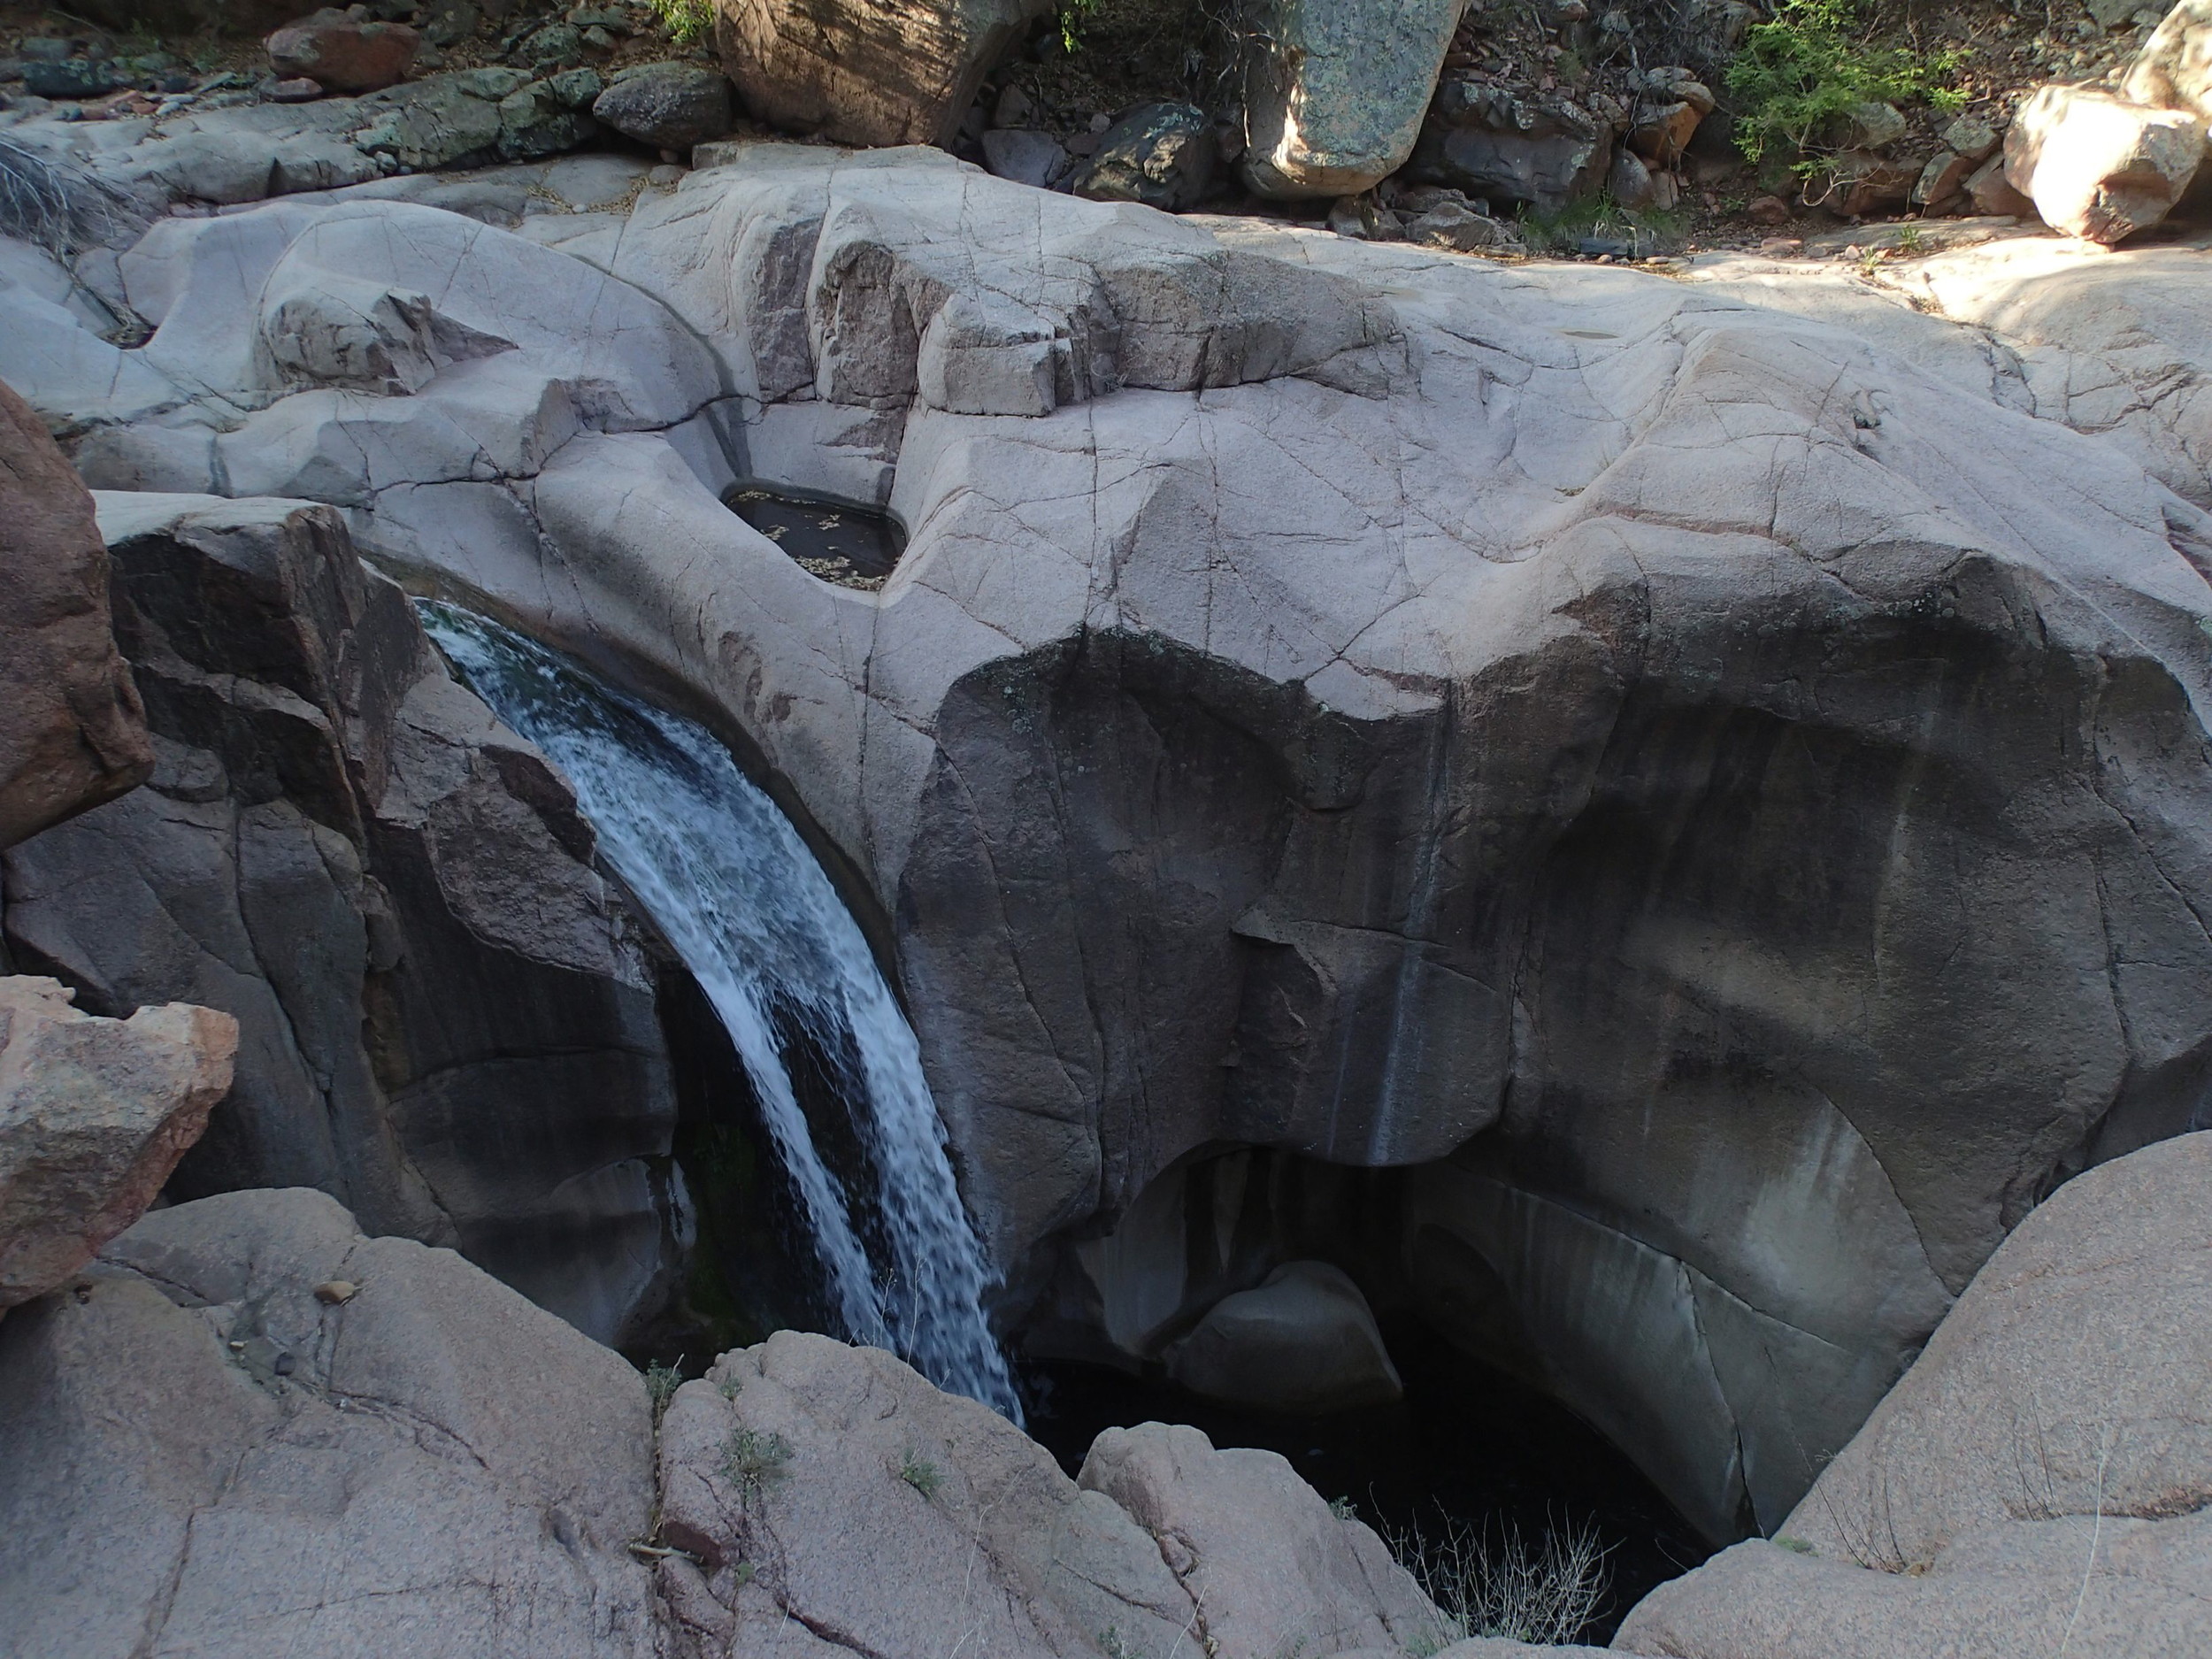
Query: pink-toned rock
[2101,167]
[343,54]
[2174,69]
[72,734]
[94,1114]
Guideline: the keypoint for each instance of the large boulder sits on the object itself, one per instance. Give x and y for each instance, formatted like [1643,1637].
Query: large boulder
[249,1430]
[1480,138]
[1668,800]
[1302,1340]
[668,105]
[94,1114]
[1163,155]
[2174,69]
[2101,167]
[72,732]
[446,1018]
[2040,1481]
[1334,95]
[867,72]
[811,1484]
[342,53]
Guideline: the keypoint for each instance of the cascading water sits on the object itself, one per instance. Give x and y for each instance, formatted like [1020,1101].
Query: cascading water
[728,879]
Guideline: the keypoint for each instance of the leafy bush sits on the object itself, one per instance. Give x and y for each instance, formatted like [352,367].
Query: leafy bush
[1546,1595]
[1802,72]
[686,20]
[921,1474]
[661,1383]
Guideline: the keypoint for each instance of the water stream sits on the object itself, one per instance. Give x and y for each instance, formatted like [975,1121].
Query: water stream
[728,879]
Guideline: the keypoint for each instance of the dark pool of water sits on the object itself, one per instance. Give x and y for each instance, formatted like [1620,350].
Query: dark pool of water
[840,542]
[1467,1445]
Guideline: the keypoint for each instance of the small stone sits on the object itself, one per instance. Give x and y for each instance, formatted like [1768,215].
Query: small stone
[1942,178]
[1083,144]
[1629,181]
[1102,124]
[285,1365]
[1768,210]
[1451,225]
[667,176]
[334,1292]
[297,89]
[1015,108]
[555,46]
[598,40]
[1873,126]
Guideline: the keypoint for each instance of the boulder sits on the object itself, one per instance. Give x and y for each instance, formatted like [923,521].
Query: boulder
[1302,1341]
[1274,1568]
[1629,181]
[71,732]
[344,53]
[2174,69]
[1163,155]
[668,105]
[1942,179]
[547,117]
[94,1114]
[412,1468]
[1483,140]
[872,72]
[1456,226]
[2100,167]
[329,852]
[2040,1481]
[1024,155]
[1334,95]
[1991,191]
[830,1488]
[1971,137]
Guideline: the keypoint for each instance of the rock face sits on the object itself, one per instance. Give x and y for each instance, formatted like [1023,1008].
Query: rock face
[2039,1479]
[444,1018]
[2174,69]
[94,1114]
[1334,95]
[867,72]
[427,1465]
[2100,167]
[790,1459]
[1302,1341]
[1676,789]
[72,732]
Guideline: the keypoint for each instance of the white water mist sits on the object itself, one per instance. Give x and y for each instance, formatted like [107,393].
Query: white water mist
[728,880]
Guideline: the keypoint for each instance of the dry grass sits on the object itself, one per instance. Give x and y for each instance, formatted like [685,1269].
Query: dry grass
[1546,1594]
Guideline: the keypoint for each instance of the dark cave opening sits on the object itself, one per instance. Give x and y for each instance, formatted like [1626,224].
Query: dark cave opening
[1469,1447]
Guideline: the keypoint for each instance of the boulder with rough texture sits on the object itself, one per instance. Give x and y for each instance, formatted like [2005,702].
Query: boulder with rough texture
[1162,155]
[2174,69]
[2100,167]
[94,1114]
[444,1017]
[71,732]
[669,105]
[1334,95]
[200,1455]
[818,1487]
[2040,1481]
[1024,155]
[1483,140]
[867,72]
[1679,800]
[342,53]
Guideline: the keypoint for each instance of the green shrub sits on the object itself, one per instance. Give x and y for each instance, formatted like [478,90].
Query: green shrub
[661,1383]
[1802,72]
[921,1474]
[686,20]
[755,1460]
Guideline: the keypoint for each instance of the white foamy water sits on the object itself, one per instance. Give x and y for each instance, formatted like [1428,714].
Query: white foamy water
[726,878]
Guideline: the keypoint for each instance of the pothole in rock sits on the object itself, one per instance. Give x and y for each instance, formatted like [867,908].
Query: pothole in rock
[841,541]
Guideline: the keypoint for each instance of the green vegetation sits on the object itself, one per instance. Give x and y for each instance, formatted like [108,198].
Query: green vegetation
[1650,231]
[1795,1546]
[755,1460]
[1075,14]
[661,1383]
[1343,1508]
[686,20]
[1800,74]
[921,1474]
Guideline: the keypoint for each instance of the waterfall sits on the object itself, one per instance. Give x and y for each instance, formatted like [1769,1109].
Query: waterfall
[728,880]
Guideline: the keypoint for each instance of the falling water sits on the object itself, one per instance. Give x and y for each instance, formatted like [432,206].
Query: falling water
[726,879]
